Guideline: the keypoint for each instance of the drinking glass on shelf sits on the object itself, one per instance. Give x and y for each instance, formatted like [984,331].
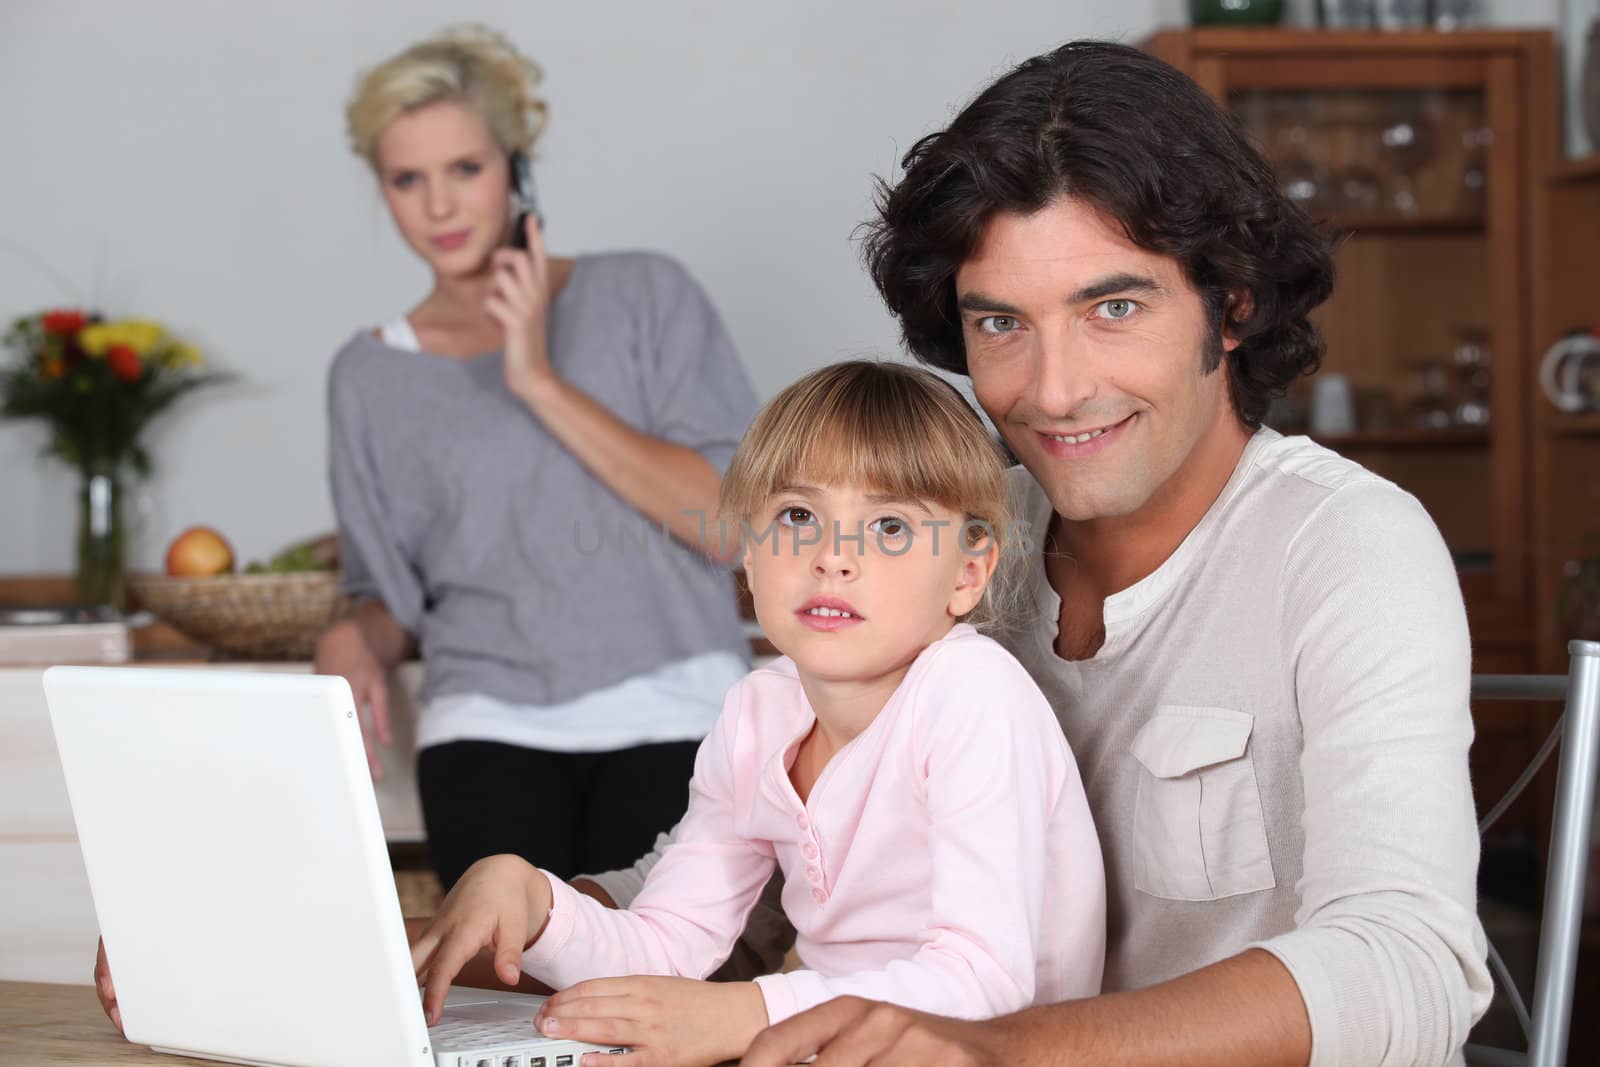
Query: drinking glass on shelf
[1470,359]
[1348,14]
[1402,14]
[1357,186]
[1475,142]
[1406,142]
[1301,174]
[1429,407]
[1455,14]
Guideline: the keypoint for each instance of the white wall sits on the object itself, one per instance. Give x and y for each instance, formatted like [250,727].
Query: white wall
[184,160]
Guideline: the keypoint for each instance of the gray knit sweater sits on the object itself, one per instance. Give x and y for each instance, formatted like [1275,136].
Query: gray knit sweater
[521,575]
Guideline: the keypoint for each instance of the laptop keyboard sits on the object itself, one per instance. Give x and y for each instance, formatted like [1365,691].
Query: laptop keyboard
[474,1032]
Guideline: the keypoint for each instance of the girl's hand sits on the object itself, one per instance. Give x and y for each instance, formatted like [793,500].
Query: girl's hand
[519,300]
[502,903]
[666,1022]
[104,989]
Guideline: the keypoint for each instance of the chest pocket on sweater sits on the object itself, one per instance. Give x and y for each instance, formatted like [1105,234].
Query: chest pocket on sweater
[1198,828]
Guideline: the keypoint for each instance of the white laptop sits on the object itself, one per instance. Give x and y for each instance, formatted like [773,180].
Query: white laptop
[242,883]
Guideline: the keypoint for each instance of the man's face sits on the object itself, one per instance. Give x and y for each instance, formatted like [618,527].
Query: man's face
[1073,330]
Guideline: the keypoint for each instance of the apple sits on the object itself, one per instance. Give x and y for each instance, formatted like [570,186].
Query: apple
[197,552]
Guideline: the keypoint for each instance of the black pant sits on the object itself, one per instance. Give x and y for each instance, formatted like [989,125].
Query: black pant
[567,812]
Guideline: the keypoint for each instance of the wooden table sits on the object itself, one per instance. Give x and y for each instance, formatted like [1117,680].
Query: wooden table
[63,1024]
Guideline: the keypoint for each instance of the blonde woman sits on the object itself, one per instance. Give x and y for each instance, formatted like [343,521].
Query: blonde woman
[522,466]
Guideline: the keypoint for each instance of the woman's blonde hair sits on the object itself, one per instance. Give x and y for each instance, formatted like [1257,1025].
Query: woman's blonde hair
[886,427]
[468,63]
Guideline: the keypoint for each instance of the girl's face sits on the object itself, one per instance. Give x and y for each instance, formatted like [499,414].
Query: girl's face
[447,184]
[852,585]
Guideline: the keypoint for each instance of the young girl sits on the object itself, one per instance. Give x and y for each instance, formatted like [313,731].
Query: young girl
[901,769]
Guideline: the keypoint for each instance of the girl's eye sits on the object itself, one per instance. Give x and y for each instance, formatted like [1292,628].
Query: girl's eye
[997,324]
[889,526]
[1117,309]
[796,517]
[403,180]
[468,168]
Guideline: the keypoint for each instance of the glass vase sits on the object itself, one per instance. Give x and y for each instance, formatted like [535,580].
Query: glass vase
[102,537]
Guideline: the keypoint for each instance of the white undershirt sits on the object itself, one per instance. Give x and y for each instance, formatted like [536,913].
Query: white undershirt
[675,702]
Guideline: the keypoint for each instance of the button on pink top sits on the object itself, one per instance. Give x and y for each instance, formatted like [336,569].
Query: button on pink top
[946,859]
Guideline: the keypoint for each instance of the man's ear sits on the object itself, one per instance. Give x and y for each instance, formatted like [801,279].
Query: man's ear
[1238,308]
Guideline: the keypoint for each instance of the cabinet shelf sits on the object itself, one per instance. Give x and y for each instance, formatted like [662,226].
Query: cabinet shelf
[1586,424]
[1584,168]
[1357,225]
[1408,437]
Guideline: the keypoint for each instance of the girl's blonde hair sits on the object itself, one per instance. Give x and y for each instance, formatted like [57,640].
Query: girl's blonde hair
[468,63]
[888,428]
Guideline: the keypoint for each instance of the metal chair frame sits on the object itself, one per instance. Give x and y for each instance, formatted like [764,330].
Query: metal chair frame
[1549,1024]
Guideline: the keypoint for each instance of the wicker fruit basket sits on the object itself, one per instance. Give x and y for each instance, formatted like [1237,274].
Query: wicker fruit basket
[256,616]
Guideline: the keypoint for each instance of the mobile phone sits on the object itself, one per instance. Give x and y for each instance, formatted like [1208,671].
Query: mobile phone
[524,200]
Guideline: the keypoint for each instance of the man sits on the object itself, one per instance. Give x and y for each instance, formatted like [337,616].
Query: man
[1256,648]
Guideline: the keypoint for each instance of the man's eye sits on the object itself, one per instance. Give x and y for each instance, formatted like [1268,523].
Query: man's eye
[796,517]
[1117,309]
[997,324]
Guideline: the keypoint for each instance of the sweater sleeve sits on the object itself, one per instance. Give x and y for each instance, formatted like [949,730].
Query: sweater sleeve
[1001,793]
[1387,949]
[767,935]
[372,562]
[695,899]
[701,397]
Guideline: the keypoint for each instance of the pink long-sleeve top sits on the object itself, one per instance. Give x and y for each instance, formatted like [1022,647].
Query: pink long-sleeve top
[945,859]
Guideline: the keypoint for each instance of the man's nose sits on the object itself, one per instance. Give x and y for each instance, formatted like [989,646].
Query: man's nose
[1064,377]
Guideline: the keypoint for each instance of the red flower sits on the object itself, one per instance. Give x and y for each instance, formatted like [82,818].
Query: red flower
[124,363]
[64,322]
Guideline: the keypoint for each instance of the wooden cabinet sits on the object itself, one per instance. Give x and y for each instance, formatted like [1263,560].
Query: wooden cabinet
[1566,446]
[1422,151]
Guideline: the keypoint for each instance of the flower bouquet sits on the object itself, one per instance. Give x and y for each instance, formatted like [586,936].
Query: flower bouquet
[98,384]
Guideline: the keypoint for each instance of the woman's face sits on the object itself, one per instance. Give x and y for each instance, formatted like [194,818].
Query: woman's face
[446,182]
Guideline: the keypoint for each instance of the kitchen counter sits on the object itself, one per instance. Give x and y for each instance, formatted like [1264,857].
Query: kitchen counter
[47,923]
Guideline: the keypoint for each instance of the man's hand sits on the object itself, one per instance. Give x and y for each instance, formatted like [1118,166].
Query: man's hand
[665,1022]
[850,1032]
[502,902]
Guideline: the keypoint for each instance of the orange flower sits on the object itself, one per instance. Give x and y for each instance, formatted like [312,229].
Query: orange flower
[124,362]
[52,369]
[64,322]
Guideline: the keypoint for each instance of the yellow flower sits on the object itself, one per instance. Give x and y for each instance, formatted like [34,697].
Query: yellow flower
[96,339]
[184,354]
[141,335]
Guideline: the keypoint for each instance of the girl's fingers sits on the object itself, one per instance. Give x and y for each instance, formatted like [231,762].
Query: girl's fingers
[508,951]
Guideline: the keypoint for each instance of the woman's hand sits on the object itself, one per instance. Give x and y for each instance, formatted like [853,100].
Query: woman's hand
[519,300]
[502,903]
[343,650]
[665,1022]
[104,989]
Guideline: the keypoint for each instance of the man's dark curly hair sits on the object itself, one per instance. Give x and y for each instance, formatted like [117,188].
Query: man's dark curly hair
[1140,142]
